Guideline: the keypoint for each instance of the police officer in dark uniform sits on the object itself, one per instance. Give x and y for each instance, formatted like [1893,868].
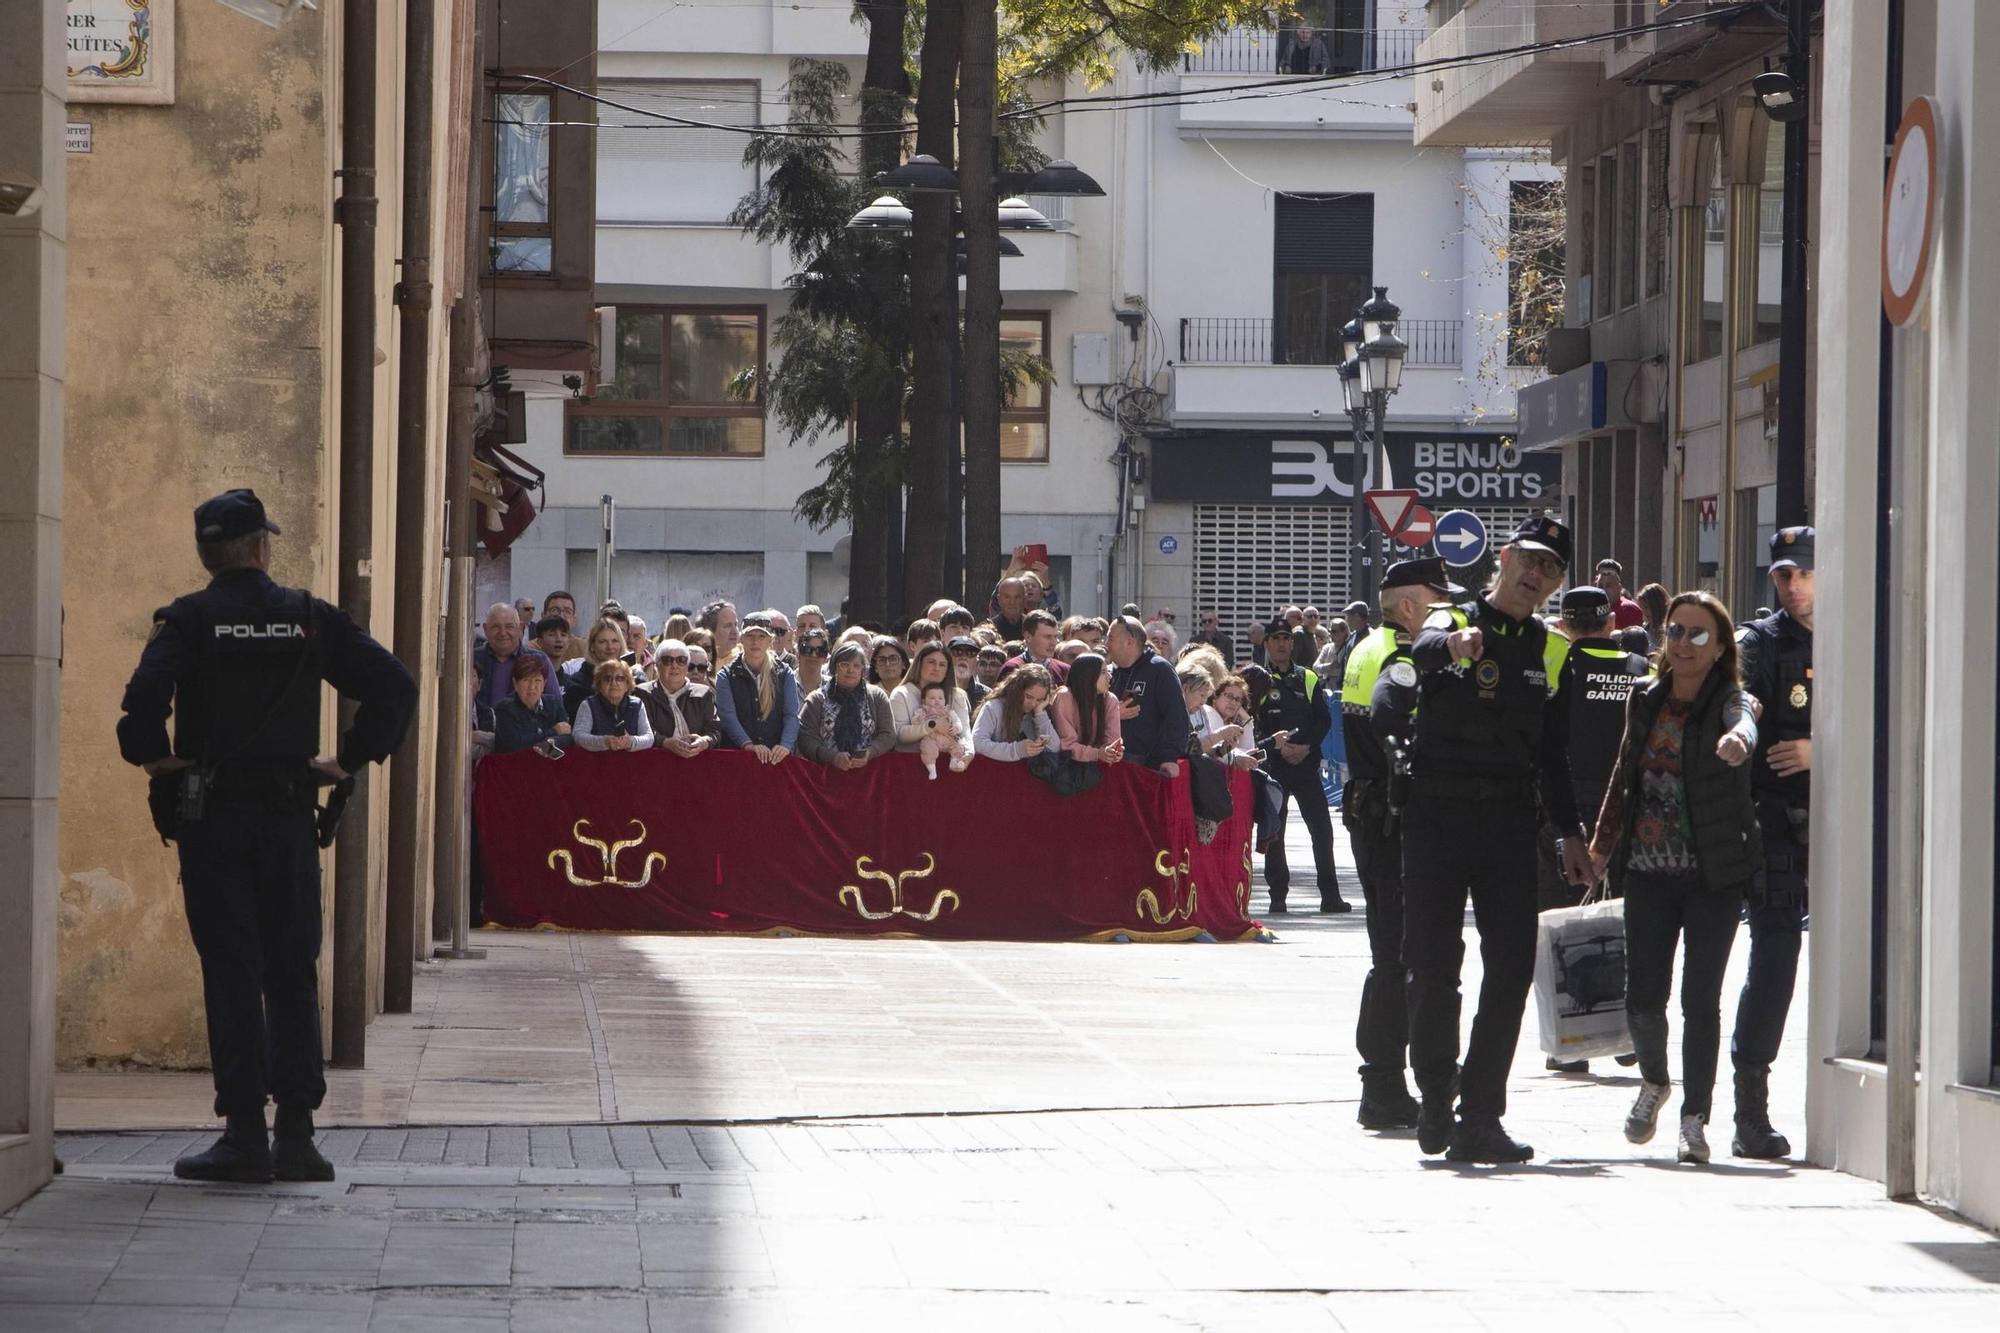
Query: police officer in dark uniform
[1291,723]
[1605,675]
[1492,728]
[1776,654]
[239,664]
[1599,676]
[1382,658]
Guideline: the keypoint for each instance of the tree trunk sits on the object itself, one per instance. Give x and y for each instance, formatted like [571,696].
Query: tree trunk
[933,444]
[978,90]
[884,94]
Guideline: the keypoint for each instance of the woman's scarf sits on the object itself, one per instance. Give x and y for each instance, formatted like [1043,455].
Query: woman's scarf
[848,719]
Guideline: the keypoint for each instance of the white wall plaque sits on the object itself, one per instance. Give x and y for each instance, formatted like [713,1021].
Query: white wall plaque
[121,51]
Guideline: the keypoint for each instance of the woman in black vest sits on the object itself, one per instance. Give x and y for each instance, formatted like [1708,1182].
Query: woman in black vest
[1679,834]
[757,696]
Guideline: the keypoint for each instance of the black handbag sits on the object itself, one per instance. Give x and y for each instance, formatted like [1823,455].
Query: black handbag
[1208,787]
[1066,776]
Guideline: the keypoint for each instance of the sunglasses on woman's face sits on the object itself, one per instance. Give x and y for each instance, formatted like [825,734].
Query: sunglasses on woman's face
[887,659]
[699,669]
[674,657]
[1700,638]
[814,650]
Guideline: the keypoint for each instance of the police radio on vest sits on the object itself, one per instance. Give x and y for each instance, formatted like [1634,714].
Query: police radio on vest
[278,630]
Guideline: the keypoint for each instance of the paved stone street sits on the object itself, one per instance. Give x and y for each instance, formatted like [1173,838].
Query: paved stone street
[611,1133]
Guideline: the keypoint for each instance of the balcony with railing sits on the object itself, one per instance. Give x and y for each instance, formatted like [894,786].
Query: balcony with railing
[1518,99]
[1230,341]
[1324,103]
[1235,370]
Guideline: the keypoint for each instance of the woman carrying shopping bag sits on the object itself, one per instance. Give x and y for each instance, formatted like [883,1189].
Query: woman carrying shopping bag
[1679,836]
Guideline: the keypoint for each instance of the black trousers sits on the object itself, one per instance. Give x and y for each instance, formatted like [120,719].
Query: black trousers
[1452,849]
[1777,920]
[1661,912]
[250,881]
[1382,1031]
[1300,784]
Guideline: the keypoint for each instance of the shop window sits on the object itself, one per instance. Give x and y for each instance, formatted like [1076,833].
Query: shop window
[688,382]
[1324,254]
[522,238]
[1024,416]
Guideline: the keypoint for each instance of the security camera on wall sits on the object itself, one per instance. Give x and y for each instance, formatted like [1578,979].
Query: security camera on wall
[19,196]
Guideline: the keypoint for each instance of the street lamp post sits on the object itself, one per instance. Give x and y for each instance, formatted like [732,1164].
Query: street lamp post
[923,173]
[1371,373]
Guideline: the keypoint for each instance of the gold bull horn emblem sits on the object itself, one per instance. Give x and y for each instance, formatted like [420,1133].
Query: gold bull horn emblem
[864,867]
[608,853]
[1148,903]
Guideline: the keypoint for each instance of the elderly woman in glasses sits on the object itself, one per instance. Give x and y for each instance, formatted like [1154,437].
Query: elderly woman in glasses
[609,718]
[680,709]
[1679,834]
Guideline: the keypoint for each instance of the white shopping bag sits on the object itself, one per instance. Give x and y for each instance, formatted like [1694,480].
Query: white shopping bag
[1580,980]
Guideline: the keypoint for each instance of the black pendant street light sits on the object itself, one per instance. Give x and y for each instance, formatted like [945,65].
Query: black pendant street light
[924,174]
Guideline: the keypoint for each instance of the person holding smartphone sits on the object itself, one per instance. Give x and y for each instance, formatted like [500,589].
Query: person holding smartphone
[610,718]
[1152,715]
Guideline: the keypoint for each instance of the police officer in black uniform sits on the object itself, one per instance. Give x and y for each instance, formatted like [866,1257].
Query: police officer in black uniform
[1600,674]
[1291,724]
[1492,728]
[1776,654]
[1380,662]
[239,664]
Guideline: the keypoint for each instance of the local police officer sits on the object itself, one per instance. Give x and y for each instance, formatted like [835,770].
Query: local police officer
[1489,733]
[1382,658]
[1598,677]
[1777,664]
[1603,675]
[239,664]
[1291,723]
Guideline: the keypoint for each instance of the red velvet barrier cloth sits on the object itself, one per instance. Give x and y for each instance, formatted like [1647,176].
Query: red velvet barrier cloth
[653,842]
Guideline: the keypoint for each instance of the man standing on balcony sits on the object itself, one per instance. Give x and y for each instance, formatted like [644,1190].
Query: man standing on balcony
[1301,51]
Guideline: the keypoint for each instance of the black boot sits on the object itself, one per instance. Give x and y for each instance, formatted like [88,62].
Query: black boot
[1277,907]
[1483,1140]
[1387,1104]
[1434,1119]
[294,1155]
[1334,906]
[242,1155]
[1754,1135]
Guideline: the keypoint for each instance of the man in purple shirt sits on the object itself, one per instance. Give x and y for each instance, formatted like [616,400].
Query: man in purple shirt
[493,659]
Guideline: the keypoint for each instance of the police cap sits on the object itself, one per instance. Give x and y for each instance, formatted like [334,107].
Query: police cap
[232,514]
[1427,572]
[1587,604]
[1277,625]
[1542,533]
[1792,548]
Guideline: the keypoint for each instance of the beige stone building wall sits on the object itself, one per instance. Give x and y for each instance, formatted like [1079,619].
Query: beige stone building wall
[203,308]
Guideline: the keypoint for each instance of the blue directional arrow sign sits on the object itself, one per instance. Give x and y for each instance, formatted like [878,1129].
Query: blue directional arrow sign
[1460,537]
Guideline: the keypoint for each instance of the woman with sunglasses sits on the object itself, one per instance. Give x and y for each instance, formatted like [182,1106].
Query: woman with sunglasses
[814,648]
[681,709]
[1679,833]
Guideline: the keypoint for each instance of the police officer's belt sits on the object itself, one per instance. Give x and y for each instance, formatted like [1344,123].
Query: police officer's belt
[1493,791]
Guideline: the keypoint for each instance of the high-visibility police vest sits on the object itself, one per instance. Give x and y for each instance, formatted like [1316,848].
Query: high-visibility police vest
[1482,721]
[1599,678]
[1366,759]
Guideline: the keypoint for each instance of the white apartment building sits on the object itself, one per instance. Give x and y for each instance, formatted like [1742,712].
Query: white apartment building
[1188,313]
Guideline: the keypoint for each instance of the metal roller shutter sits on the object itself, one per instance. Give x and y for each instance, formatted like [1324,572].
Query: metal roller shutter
[1252,560]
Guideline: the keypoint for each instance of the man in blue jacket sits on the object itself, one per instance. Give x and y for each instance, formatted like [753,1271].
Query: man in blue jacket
[1152,713]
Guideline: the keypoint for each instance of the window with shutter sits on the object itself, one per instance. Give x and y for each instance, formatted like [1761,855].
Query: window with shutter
[654,170]
[1324,254]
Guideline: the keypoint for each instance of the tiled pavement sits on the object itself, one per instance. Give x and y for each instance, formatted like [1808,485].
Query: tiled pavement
[902,1135]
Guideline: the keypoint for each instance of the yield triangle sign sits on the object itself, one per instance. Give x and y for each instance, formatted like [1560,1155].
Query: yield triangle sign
[1391,508]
